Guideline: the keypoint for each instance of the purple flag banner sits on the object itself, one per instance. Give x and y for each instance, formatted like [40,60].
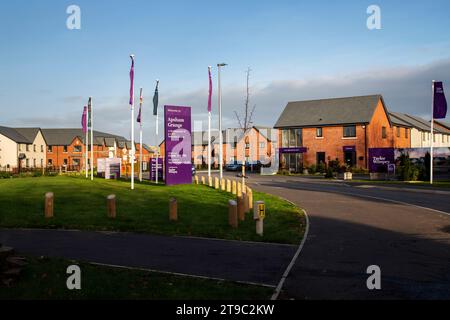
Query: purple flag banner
[439,101]
[132,80]
[84,120]
[141,100]
[177,137]
[210,90]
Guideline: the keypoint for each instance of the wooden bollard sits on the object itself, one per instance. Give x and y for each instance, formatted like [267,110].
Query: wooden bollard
[196,179]
[173,210]
[111,206]
[222,184]
[239,189]
[210,181]
[49,197]
[240,208]
[228,185]
[203,180]
[246,202]
[233,190]
[216,183]
[232,214]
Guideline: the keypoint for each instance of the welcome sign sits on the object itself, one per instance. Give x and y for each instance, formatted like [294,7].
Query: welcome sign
[177,135]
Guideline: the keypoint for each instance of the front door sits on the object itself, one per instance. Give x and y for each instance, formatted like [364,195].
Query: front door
[350,158]
[320,158]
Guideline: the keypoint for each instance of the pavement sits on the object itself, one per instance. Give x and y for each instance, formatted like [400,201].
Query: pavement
[406,234]
[249,262]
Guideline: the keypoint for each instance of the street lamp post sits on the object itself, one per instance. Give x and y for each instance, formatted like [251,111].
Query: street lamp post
[220,121]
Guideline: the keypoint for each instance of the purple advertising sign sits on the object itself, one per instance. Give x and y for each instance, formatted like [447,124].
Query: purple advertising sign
[380,159]
[153,167]
[177,135]
[349,148]
[293,150]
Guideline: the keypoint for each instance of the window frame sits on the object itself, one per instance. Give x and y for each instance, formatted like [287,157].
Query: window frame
[344,135]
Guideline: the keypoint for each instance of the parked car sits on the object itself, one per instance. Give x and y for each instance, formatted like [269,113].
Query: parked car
[233,167]
[193,170]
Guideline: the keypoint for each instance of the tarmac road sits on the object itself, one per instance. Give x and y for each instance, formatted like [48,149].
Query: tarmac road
[353,227]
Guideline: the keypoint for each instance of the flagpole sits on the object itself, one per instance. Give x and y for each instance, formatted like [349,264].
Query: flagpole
[157,133]
[209,144]
[86,143]
[132,155]
[157,151]
[432,133]
[92,140]
[140,139]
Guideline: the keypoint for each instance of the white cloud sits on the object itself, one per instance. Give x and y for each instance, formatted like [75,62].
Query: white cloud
[405,89]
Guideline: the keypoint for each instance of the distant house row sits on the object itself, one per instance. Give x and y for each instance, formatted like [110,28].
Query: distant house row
[40,148]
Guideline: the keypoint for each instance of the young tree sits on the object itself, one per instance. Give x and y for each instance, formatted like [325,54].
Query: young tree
[245,120]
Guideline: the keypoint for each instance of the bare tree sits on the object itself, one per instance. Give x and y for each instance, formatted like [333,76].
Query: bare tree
[245,120]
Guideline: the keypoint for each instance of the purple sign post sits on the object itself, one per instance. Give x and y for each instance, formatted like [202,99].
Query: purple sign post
[153,169]
[177,135]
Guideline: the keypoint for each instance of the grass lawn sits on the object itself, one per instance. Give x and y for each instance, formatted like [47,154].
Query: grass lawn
[46,279]
[81,204]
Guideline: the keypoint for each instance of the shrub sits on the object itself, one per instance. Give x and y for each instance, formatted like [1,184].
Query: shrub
[329,174]
[5,175]
[312,169]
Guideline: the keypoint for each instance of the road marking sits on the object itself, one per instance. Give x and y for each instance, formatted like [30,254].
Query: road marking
[181,274]
[294,259]
[378,198]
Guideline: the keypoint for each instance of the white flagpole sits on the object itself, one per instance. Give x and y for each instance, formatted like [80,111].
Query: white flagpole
[157,150]
[209,144]
[132,132]
[86,143]
[432,133]
[92,140]
[140,143]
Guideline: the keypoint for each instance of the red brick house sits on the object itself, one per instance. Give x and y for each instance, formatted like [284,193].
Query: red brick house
[342,129]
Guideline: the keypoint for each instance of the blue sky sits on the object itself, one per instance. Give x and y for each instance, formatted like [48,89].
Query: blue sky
[296,49]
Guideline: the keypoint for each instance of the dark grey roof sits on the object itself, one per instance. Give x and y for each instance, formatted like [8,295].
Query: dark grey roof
[14,135]
[109,142]
[29,133]
[398,121]
[416,122]
[65,136]
[146,147]
[443,123]
[129,145]
[338,111]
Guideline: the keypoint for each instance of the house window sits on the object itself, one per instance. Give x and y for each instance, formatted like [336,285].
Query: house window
[27,163]
[434,137]
[28,147]
[319,132]
[76,162]
[49,149]
[20,147]
[398,132]
[34,163]
[34,148]
[383,132]
[291,138]
[50,162]
[64,148]
[65,162]
[42,163]
[77,149]
[349,131]
[42,148]
[406,133]
[262,145]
